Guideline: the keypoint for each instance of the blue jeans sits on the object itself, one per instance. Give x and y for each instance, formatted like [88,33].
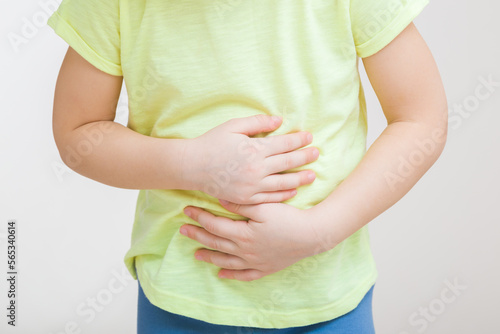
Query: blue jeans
[154,320]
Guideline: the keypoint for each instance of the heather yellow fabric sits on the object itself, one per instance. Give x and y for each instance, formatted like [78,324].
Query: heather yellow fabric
[191,65]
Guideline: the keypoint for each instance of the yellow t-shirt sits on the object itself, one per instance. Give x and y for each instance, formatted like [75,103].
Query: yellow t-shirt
[191,65]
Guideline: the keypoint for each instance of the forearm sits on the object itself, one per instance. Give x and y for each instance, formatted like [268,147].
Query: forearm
[393,164]
[113,154]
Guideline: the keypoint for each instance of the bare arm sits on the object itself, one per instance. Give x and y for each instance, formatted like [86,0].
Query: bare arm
[93,145]
[409,88]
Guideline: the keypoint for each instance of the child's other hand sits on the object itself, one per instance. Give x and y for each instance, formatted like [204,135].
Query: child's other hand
[227,164]
[276,236]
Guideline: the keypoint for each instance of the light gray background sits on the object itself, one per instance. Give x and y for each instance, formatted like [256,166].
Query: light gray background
[73,232]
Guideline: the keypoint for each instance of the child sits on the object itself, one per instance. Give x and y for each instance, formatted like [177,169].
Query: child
[280,229]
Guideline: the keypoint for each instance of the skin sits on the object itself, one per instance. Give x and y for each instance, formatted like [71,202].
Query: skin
[408,86]
[93,145]
[406,80]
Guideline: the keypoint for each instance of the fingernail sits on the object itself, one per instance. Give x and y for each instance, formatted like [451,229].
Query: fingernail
[183,230]
[222,275]
[294,192]
[187,212]
[315,153]
[309,137]
[224,202]
[276,119]
[198,257]
[311,176]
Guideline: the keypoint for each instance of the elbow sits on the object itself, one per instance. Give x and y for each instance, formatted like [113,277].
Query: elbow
[60,137]
[439,130]
[442,124]
[64,144]
[64,150]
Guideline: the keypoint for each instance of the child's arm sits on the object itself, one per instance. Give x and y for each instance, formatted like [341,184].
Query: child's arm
[92,144]
[409,88]
[406,80]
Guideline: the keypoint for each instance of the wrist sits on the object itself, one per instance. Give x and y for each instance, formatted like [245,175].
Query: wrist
[324,227]
[176,162]
[187,170]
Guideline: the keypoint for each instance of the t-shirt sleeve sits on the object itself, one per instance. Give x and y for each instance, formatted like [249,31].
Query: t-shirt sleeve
[92,28]
[375,23]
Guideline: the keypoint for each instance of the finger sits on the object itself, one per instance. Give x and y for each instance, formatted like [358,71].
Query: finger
[221,226]
[241,275]
[273,197]
[286,143]
[208,239]
[253,125]
[251,211]
[282,162]
[245,210]
[286,181]
[222,260]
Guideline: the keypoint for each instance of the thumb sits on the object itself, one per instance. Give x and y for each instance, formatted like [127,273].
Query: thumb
[241,209]
[255,124]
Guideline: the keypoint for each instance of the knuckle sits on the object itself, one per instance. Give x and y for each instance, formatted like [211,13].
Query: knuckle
[259,143]
[252,150]
[266,197]
[250,257]
[281,183]
[209,225]
[253,168]
[232,264]
[300,179]
[289,143]
[245,239]
[304,156]
[215,244]
[243,145]
[288,162]
[262,119]
[250,169]
[254,199]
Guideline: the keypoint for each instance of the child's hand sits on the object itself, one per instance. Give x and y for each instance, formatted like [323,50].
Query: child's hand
[276,236]
[227,164]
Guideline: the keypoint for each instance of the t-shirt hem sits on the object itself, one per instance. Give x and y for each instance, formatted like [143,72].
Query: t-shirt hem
[391,31]
[216,314]
[70,36]
[130,265]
